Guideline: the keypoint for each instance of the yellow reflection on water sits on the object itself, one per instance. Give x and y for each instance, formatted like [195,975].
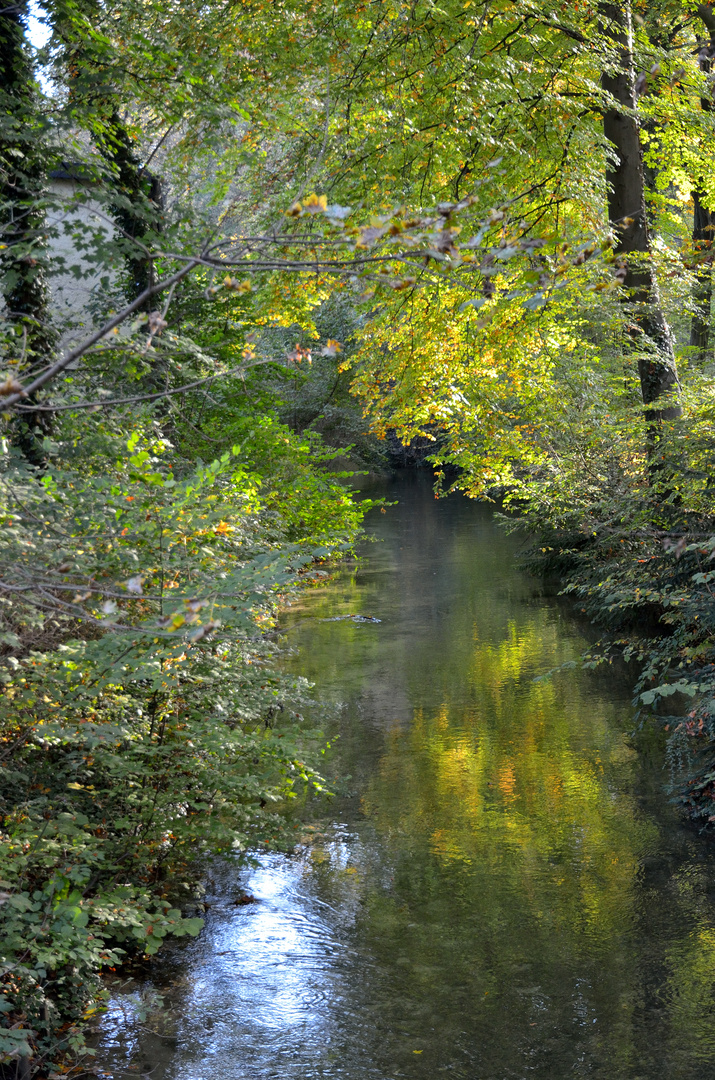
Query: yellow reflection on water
[526,784]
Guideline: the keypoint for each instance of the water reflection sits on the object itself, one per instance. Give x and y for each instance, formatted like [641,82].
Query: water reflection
[505,892]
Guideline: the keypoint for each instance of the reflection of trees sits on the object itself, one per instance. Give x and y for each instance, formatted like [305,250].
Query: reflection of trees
[690,994]
[511,925]
[517,849]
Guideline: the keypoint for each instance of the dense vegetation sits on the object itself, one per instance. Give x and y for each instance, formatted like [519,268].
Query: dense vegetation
[508,257]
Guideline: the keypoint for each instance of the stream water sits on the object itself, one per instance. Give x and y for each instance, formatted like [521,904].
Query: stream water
[503,890]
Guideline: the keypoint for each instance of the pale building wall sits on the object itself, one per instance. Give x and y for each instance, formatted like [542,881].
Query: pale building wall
[78,226]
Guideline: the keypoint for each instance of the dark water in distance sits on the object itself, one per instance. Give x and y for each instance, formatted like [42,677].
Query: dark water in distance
[504,894]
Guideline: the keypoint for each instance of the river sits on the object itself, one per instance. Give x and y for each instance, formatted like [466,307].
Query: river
[502,890]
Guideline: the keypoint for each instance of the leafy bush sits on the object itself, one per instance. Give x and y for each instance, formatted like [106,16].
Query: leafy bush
[154,729]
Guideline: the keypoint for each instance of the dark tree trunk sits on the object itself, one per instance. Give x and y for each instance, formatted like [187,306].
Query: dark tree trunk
[22,223]
[647,327]
[138,209]
[703,220]
[138,206]
[703,224]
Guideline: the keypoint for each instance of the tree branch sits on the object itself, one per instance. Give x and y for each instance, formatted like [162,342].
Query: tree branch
[119,318]
[707,15]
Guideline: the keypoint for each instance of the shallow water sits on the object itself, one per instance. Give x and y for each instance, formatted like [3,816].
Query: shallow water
[502,891]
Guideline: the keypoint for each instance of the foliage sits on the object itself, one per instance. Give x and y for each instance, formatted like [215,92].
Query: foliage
[406,198]
[160,734]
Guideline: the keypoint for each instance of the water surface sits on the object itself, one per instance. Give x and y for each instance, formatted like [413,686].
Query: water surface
[501,892]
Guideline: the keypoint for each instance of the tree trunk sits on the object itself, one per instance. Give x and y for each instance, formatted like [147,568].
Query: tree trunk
[647,328]
[22,223]
[139,212]
[138,209]
[703,220]
[703,225]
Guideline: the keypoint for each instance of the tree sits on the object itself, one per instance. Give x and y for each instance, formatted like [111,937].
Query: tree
[23,258]
[703,223]
[647,325]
